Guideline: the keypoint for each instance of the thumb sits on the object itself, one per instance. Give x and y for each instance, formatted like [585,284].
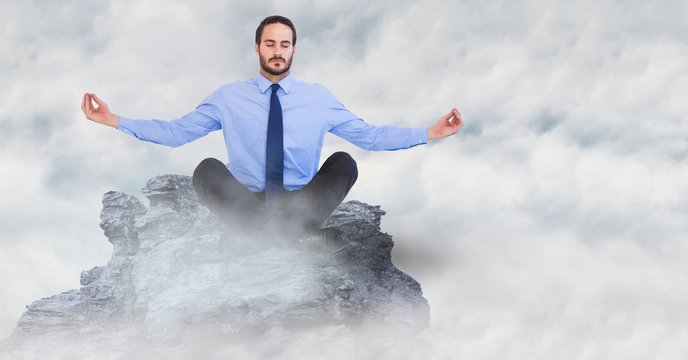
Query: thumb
[446,118]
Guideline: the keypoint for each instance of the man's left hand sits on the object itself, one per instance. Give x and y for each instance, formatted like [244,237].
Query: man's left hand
[449,124]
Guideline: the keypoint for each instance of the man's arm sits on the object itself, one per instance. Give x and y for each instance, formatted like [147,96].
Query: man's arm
[171,133]
[447,125]
[347,125]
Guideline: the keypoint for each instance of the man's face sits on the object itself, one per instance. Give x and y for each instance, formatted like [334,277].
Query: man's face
[275,50]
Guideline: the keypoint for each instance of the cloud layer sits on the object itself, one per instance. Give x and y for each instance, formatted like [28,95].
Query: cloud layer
[553,226]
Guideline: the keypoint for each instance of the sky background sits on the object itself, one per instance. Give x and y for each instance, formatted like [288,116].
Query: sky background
[555,225]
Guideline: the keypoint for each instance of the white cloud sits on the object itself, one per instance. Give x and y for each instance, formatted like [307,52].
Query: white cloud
[551,227]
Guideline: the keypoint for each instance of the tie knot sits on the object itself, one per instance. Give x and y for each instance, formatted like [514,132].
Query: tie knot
[275,87]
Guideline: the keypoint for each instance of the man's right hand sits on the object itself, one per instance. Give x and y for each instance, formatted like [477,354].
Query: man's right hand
[100,114]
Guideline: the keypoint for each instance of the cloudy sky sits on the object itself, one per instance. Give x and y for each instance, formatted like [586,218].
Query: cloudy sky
[553,226]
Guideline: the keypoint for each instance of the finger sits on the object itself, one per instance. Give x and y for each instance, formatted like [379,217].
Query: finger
[83,103]
[445,118]
[87,97]
[456,113]
[457,116]
[98,101]
[88,105]
[448,119]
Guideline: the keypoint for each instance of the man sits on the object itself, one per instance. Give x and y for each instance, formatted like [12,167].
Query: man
[273,127]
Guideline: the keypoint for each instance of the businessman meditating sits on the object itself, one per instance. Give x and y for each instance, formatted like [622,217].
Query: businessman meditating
[273,126]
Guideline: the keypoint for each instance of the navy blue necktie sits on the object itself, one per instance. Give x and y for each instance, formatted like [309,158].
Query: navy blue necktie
[274,155]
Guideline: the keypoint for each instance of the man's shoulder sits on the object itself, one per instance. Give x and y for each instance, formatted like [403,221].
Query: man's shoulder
[239,85]
[298,82]
[234,89]
[303,86]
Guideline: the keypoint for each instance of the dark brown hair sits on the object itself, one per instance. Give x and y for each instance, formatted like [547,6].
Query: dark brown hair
[275,19]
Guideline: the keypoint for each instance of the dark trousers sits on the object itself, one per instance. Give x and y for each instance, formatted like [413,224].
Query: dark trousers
[302,210]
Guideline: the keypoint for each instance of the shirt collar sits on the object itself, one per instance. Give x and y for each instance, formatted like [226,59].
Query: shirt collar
[286,83]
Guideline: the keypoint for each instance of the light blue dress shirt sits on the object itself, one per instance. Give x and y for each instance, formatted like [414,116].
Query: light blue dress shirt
[241,110]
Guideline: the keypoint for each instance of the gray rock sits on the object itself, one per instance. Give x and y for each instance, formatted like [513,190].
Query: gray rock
[177,273]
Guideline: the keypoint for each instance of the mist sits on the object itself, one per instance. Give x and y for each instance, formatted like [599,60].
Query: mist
[552,226]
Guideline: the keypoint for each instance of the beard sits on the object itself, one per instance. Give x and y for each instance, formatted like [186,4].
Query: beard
[265,65]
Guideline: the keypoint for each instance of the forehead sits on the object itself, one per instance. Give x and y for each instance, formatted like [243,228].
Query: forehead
[276,32]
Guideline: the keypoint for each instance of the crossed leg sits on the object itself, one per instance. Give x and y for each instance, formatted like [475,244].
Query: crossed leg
[305,209]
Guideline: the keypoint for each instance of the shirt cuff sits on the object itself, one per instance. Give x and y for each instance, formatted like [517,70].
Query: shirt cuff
[125,125]
[419,136]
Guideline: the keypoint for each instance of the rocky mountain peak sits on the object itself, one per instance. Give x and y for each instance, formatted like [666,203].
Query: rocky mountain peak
[176,273]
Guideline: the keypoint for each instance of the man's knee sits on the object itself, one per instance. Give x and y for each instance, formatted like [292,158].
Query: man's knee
[344,163]
[206,166]
[204,171]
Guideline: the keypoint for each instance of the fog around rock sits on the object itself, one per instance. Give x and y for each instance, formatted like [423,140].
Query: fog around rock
[551,227]
[178,278]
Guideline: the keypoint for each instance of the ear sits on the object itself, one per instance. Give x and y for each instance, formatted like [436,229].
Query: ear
[257,48]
